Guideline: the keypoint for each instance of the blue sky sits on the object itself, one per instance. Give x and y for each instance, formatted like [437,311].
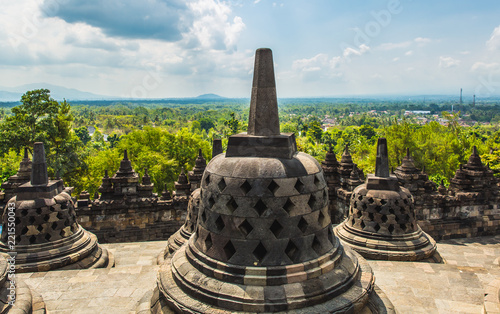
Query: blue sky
[174,48]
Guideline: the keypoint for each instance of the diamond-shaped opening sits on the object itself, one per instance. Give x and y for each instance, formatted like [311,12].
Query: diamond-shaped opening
[288,206]
[260,252]
[391,228]
[330,235]
[377,227]
[276,228]
[359,214]
[402,210]
[219,223]
[211,202]
[370,200]
[317,181]
[378,208]
[245,227]
[38,211]
[355,204]
[260,207]
[397,218]
[46,218]
[54,225]
[39,228]
[312,201]
[383,202]
[60,215]
[222,184]
[24,230]
[405,201]
[391,211]
[18,220]
[291,250]
[67,223]
[31,220]
[203,217]
[273,187]
[321,218]
[246,187]
[207,179]
[364,206]
[229,250]
[353,222]
[371,216]
[24,212]
[403,227]
[32,239]
[299,186]
[232,205]
[63,206]
[383,218]
[302,224]
[362,224]
[360,197]
[316,245]
[47,237]
[208,242]
[396,202]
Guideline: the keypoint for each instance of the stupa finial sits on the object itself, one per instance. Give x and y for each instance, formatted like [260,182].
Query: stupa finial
[382,161]
[39,174]
[263,118]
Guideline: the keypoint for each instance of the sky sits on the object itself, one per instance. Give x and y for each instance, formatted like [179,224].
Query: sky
[321,48]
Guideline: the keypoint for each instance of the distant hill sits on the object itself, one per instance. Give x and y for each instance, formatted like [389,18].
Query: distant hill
[57,92]
[210,96]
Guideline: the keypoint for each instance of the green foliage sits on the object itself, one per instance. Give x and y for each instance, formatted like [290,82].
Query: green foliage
[83,134]
[9,164]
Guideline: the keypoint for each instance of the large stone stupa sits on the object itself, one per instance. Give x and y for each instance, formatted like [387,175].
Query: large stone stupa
[264,240]
[381,222]
[47,235]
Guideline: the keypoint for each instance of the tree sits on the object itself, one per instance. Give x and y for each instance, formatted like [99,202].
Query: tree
[83,134]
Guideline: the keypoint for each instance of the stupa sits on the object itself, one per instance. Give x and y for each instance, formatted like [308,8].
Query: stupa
[474,180]
[176,240]
[47,235]
[381,222]
[412,178]
[22,176]
[195,175]
[264,240]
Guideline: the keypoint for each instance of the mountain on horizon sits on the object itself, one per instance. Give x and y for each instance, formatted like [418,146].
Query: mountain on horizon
[59,93]
[209,96]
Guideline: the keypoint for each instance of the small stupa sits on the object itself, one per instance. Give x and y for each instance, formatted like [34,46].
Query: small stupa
[47,235]
[381,222]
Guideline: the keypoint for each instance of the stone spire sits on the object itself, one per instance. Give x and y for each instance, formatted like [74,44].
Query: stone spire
[346,156]
[22,176]
[146,179]
[263,119]
[182,185]
[216,147]
[199,167]
[382,161]
[39,174]
[125,166]
[263,138]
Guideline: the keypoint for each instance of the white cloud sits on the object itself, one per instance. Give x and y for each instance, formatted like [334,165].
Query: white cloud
[360,51]
[409,53]
[482,66]
[395,59]
[422,40]
[494,42]
[448,62]
[391,46]
[315,63]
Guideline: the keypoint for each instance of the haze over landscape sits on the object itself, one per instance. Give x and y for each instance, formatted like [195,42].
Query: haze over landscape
[171,48]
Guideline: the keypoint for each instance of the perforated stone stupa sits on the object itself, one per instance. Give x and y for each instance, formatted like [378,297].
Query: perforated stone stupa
[47,235]
[381,222]
[22,176]
[264,240]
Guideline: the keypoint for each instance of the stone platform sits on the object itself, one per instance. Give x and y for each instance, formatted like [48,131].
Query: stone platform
[413,287]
